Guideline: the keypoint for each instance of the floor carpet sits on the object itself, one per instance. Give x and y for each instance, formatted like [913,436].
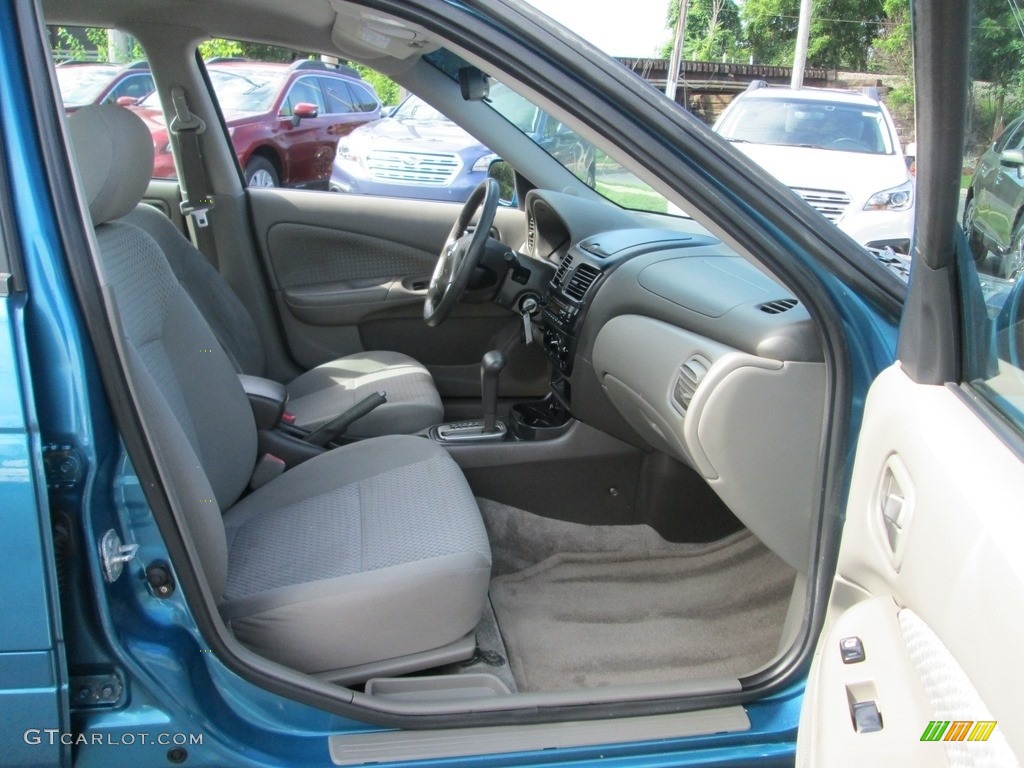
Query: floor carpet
[619,618]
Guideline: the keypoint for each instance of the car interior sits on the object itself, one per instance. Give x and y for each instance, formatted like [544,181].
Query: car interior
[538,451]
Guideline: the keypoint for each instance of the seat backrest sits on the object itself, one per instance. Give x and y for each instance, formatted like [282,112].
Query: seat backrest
[192,403]
[224,311]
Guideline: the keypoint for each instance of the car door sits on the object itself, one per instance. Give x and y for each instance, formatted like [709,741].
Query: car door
[1005,190]
[344,279]
[307,143]
[917,661]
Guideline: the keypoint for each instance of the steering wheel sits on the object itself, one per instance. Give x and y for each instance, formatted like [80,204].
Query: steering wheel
[846,141]
[461,253]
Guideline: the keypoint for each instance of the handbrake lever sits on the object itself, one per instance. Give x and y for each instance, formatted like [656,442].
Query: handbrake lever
[336,427]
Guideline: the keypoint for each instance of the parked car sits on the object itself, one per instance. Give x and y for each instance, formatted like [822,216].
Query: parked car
[375,481]
[838,150]
[995,201]
[285,120]
[418,152]
[85,82]
[413,152]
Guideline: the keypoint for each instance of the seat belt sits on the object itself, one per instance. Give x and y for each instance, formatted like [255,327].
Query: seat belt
[197,200]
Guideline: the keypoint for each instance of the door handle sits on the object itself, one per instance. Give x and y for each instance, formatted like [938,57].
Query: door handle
[895,500]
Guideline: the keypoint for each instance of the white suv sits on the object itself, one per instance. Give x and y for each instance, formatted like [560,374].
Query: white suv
[838,150]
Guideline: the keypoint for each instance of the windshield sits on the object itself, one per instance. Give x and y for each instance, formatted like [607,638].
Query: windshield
[82,84]
[575,153]
[804,123]
[414,108]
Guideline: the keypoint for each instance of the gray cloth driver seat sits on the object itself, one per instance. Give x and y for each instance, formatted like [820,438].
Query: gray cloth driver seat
[367,559]
[320,394]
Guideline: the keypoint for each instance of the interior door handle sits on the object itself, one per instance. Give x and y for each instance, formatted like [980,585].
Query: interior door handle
[895,507]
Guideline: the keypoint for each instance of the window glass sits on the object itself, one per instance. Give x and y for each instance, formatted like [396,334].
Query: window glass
[364,99]
[132,86]
[337,96]
[305,90]
[992,214]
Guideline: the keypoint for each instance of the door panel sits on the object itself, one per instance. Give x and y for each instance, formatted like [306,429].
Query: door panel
[930,578]
[350,273]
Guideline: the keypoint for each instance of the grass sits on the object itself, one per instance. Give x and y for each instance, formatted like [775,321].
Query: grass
[638,198]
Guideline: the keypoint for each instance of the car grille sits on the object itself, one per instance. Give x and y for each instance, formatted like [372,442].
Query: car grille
[424,168]
[830,203]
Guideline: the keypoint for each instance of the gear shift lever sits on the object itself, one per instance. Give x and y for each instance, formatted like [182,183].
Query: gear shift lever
[490,369]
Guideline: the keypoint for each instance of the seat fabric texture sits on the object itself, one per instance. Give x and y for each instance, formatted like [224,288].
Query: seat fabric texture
[363,554]
[320,394]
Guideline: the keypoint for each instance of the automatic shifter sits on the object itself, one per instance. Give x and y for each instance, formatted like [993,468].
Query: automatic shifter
[489,428]
[490,369]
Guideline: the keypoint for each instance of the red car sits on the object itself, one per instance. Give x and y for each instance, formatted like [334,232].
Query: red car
[284,119]
[91,82]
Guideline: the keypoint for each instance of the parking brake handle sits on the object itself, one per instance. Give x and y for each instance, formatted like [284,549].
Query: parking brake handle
[336,427]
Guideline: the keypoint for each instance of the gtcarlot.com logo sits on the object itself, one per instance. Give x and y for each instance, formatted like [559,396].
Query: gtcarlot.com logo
[54,736]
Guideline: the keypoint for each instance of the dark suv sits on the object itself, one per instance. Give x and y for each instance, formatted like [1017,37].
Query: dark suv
[993,220]
[91,82]
[284,120]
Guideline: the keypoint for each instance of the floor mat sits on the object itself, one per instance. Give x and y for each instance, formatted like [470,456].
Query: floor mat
[600,619]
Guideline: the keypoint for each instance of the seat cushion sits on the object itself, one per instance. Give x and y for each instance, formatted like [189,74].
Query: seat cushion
[369,552]
[322,393]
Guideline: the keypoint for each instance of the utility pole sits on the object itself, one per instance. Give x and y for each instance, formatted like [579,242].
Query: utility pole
[802,35]
[677,51]
[118,47]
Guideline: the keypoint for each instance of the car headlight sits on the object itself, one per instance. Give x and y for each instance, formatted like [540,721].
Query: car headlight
[349,153]
[484,163]
[899,198]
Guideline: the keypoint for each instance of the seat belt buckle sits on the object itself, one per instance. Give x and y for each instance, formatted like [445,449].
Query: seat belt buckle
[197,210]
[267,468]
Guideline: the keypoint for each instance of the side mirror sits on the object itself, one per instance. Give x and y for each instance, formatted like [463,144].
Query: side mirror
[126,101]
[304,109]
[1012,157]
[505,175]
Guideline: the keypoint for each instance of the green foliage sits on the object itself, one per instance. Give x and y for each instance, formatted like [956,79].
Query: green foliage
[387,89]
[713,31]
[840,37]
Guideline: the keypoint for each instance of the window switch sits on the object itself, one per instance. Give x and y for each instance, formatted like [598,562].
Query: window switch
[866,717]
[852,650]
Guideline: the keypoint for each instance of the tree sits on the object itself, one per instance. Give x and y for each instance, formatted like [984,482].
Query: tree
[892,53]
[841,31]
[996,50]
[713,30]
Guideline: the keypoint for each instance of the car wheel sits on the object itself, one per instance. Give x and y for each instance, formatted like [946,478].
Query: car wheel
[973,238]
[260,172]
[1013,262]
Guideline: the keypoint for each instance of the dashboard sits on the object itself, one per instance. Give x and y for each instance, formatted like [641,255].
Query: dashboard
[660,334]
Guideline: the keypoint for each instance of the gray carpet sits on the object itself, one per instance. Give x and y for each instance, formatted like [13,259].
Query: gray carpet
[665,613]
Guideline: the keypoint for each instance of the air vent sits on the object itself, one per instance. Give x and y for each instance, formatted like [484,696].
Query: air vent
[581,281]
[691,374]
[778,307]
[563,269]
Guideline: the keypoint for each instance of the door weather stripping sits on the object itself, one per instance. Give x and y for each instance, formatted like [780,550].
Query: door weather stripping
[114,555]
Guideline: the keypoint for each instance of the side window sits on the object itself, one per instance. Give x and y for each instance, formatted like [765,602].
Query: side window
[133,86]
[1011,137]
[364,98]
[305,90]
[338,96]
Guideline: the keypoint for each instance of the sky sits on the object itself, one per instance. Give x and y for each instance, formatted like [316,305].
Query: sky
[634,28]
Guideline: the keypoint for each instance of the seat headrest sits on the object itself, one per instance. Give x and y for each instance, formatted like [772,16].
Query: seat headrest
[114,152]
